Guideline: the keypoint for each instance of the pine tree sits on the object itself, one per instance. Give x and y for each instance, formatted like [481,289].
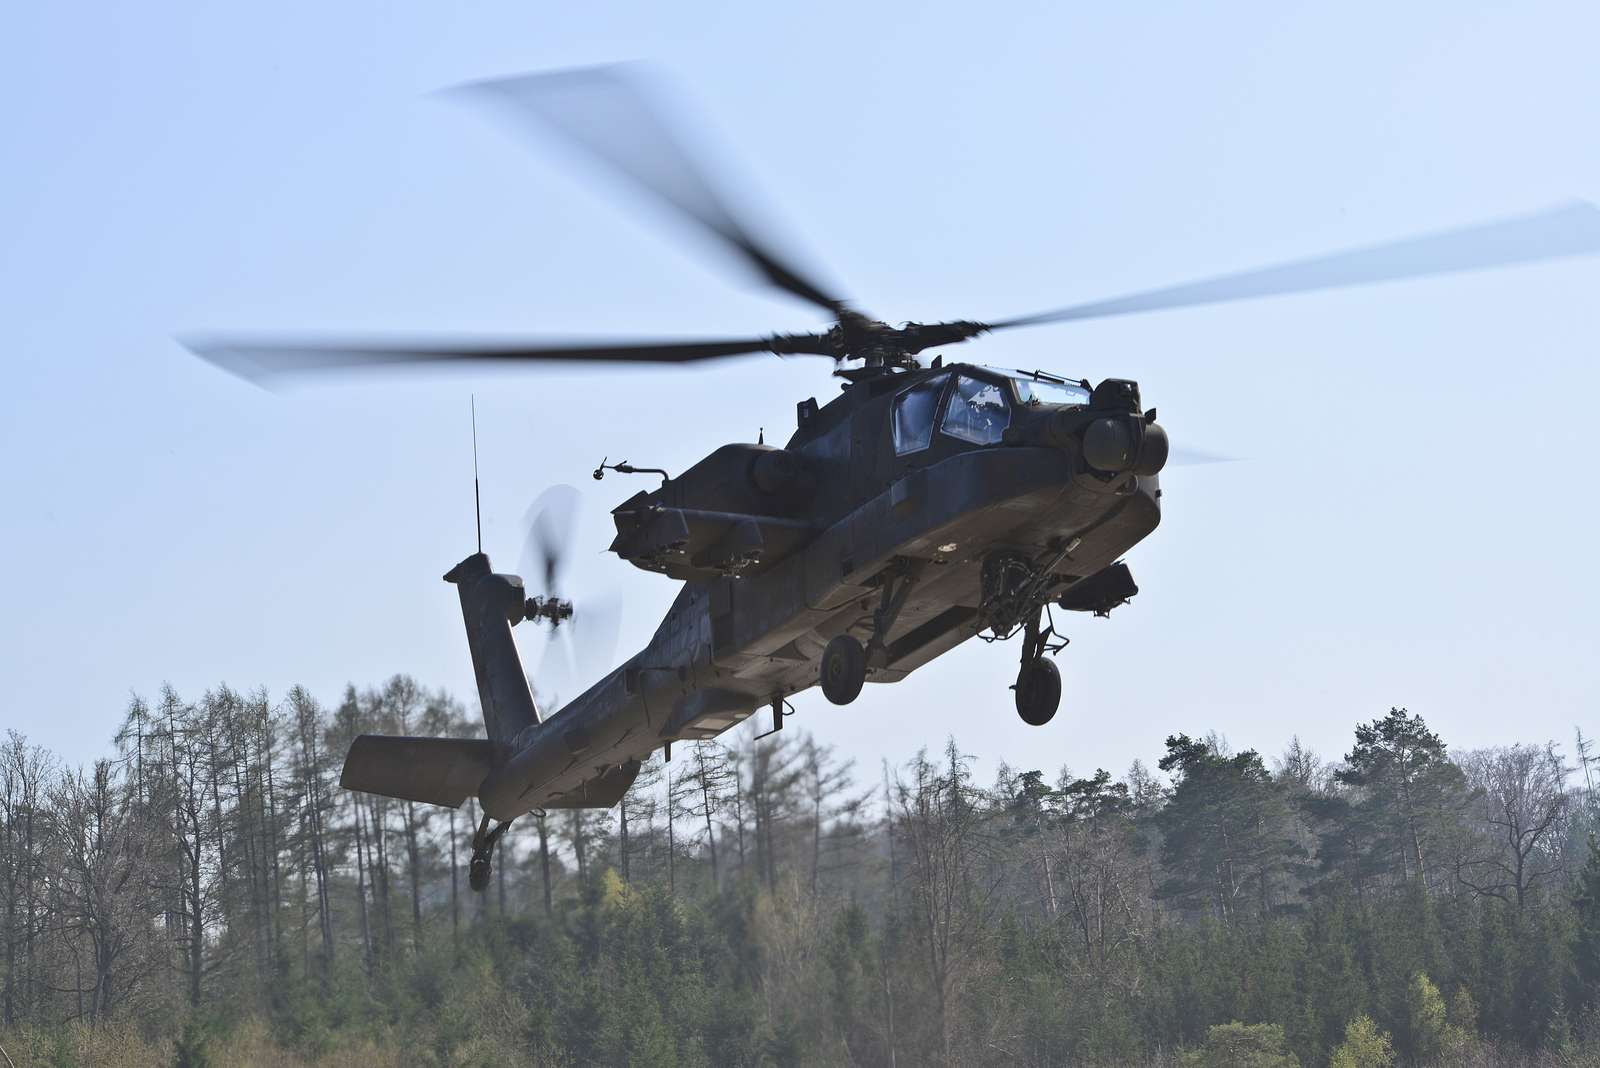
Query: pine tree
[1407,791]
[1227,834]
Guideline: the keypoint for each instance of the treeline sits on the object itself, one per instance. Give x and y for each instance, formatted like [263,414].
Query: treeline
[208,894]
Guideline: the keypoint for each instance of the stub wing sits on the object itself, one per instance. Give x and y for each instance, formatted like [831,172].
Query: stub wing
[434,771]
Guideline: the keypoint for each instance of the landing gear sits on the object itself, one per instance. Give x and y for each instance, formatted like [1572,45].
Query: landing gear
[844,669]
[1038,685]
[1038,692]
[478,873]
[845,660]
[483,843]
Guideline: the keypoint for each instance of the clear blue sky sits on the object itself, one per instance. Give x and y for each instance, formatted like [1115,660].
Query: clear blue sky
[1414,524]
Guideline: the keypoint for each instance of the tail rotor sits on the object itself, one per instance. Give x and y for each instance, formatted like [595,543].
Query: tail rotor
[581,641]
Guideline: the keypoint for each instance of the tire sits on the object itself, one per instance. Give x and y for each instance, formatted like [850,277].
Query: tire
[1038,692]
[478,875]
[844,669]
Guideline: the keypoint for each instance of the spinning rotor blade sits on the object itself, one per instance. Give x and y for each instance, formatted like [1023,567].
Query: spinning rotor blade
[553,679]
[550,521]
[613,115]
[598,626]
[1571,230]
[581,650]
[265,358]
[1197,458]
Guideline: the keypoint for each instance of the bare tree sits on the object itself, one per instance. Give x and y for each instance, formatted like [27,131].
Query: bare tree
[584,829]
[107,882]
[706,787]
[770,773]
[544,859]
[950,870]
[638,801]
[1302,770]
[826,781]
[403,705]
[678,790]
[315,805]
[1101,874]
[191,834]
[1522,801]
[25,771]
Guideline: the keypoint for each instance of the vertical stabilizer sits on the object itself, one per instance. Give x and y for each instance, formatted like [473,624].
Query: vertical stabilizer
[490,603]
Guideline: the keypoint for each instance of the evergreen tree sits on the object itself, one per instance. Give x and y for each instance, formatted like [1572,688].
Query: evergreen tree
[1406,792]
[1226,835]
[1073,920]
[1586,933]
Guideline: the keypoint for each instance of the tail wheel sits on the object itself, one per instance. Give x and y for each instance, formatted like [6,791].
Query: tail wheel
[478,874]
[1038,691]
[844,669]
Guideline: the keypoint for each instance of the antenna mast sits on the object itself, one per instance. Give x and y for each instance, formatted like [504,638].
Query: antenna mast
[477,500]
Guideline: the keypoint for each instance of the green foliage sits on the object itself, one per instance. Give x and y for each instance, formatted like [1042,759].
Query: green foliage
[61,1052]
[1332,985]
[1586,936]
[191,1049]
[1461,1040]
[1364,1046]
[1425,1019]
[1048,920]
[1225,830]
[1406,790]
[1238,1045]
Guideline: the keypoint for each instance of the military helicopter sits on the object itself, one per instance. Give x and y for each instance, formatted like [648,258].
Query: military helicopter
[925,505]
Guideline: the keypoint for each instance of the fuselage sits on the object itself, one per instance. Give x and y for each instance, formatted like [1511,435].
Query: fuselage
[890,495]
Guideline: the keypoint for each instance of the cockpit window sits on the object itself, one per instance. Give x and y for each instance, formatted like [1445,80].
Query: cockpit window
[1034,392]
[914,409]
[977,411]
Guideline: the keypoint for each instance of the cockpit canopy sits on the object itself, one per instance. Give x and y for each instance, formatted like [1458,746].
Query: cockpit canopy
[974,406]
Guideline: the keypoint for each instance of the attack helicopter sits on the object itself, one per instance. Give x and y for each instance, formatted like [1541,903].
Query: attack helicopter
[927,504]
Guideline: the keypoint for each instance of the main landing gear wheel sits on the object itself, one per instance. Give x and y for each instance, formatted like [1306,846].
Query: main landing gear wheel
[844,669]
[1038,691]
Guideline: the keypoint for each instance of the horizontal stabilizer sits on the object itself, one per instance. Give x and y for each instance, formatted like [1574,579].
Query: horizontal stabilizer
[435,771]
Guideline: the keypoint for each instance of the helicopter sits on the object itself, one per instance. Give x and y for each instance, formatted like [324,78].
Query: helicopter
[927,504]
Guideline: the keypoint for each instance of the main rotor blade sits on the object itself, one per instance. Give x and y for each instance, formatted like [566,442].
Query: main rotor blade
[264,358]
[1197,458]
[1571,230]
[613,114]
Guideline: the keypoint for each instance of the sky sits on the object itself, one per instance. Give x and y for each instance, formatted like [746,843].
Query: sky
[1410,521]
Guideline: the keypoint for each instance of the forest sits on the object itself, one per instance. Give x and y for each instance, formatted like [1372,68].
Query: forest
[206,894]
